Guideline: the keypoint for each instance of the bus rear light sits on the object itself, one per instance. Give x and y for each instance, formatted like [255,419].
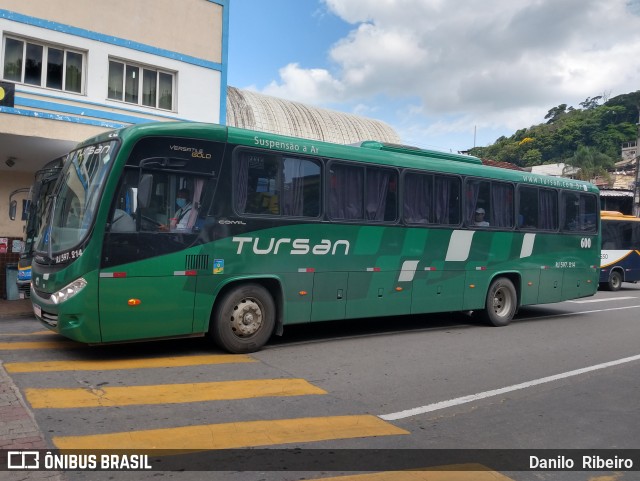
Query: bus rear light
[306,269]
[134,302]
[68,291]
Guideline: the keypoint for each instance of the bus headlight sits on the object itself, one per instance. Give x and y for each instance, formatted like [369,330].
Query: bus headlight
[69,291]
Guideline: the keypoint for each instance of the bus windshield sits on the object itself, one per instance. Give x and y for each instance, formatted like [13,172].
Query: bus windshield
[73,207]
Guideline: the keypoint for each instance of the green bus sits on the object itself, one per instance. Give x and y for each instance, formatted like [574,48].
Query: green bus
[39,195]
[279,231]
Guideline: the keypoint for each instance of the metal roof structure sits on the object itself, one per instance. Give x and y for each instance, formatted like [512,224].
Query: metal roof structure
[255,111]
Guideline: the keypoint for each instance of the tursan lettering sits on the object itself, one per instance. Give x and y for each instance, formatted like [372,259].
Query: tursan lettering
[291,246]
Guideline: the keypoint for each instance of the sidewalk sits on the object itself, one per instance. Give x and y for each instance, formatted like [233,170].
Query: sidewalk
[19,308]
[18,428]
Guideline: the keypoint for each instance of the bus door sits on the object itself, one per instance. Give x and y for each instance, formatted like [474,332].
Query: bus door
[150,260]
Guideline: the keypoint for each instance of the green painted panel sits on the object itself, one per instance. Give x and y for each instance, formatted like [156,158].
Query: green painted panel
[530,286]
[329,296]
[165,309]
[437,291]
[550,285]
[374,294]
[297,306]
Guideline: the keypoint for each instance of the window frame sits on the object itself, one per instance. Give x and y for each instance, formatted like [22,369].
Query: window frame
[365,166]
[468,216]
[44,71]
[433,174]
[563,211]
[140,84]
[538,213]
[280,158]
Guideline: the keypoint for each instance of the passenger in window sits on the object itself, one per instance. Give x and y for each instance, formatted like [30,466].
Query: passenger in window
[479,218]
[526,219]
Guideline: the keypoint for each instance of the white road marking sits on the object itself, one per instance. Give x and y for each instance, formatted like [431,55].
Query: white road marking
[496,392]
[604,300]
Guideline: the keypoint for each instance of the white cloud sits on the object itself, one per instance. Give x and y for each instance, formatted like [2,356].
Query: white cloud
[499,62]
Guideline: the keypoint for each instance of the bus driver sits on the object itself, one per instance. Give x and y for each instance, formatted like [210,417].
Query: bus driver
[180,221]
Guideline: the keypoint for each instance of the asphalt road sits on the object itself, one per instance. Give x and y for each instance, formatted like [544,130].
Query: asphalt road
[560,377]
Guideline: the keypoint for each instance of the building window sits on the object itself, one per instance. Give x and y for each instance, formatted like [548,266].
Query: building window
[137,84]
[43,65]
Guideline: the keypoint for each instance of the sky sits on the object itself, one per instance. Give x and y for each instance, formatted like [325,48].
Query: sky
[445,74]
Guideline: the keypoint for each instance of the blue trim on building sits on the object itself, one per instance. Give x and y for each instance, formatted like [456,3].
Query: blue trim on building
[225,60]
[120,42]
[65,118]
[79,111]
[96,104]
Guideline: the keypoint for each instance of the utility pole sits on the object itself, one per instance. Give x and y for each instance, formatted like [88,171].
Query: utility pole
[636,186]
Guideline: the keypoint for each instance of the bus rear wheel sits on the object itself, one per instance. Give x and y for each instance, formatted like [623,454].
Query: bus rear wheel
[244,319]
[501,303]
[615,281]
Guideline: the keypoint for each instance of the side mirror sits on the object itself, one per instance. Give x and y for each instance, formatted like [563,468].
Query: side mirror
[144,191]
[13,205]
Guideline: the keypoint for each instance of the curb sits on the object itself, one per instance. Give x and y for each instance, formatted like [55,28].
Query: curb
[18,427]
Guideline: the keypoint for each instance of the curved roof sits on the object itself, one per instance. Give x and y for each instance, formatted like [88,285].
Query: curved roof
[254,111]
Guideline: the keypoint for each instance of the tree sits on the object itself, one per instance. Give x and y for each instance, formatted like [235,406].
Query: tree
[591,103]
[590,162]
[555,113]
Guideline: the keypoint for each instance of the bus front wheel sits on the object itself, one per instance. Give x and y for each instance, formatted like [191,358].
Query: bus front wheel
[244,319]
[501,303]
[615,281]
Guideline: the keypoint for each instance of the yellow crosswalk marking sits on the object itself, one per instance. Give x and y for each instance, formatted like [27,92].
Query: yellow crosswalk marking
[168,393]
[113,364]
[460,472]
[236,435]
[35,333]
[15,346]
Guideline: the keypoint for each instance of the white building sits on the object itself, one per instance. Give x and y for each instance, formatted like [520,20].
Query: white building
[77,69]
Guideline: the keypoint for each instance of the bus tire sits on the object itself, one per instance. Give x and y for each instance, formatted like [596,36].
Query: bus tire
[501,303]
[615,281]
[244,319]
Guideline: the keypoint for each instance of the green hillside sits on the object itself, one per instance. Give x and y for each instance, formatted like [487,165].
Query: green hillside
[591,133]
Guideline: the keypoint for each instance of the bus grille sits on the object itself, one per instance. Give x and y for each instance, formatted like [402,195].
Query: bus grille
[42,294]
[199,261]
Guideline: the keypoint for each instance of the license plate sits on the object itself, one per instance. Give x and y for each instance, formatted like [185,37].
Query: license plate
[37,310]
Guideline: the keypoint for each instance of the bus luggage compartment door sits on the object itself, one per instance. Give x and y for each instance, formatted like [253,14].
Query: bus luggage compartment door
[329,296]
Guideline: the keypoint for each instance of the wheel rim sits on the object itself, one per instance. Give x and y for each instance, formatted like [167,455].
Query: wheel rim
[502,302]
[246,318]
[615,281]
